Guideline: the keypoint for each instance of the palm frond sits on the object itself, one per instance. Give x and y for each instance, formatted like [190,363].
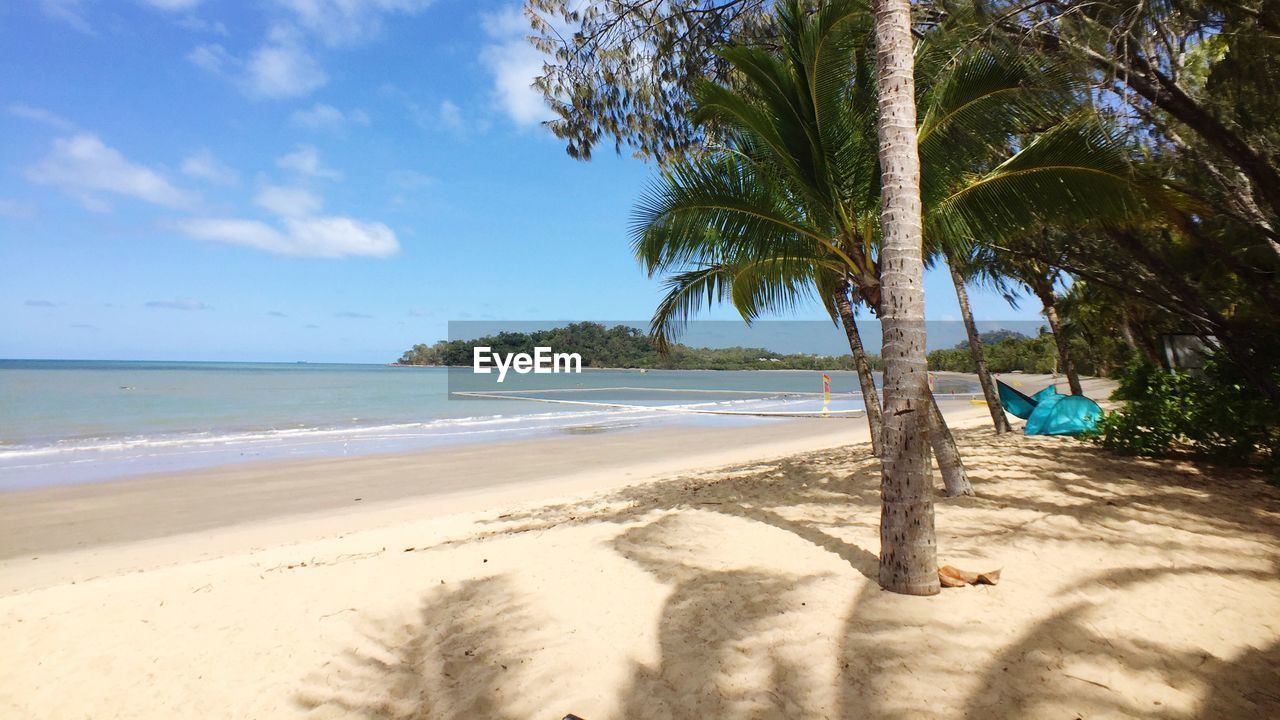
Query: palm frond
[774,285]
[722,204]
[686,294]
[1075,172]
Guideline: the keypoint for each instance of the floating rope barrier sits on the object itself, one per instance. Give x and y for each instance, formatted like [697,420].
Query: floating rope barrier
[693,409]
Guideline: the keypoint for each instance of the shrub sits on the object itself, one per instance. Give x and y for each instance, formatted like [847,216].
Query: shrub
[1213,415]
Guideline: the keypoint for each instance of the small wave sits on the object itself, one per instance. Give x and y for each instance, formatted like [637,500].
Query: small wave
[194,440]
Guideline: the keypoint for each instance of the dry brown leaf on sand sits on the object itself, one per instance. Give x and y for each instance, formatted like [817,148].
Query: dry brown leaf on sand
[955,577]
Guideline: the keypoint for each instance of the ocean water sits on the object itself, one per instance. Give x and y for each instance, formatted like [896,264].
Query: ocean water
[87,421]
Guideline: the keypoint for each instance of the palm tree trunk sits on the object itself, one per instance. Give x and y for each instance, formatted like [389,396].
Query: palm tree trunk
[955,481]
[1144,347]
[998,418]
[869,396]
[908,544]
[1064,358]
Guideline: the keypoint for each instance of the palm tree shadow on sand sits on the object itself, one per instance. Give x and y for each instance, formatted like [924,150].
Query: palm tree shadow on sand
[726,634]
[451,662]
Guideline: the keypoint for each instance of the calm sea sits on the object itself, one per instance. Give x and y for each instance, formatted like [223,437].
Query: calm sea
[85,421]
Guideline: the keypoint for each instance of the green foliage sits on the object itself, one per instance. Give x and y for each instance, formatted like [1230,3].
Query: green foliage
[622,70]
[623,347]
[784,206]
[1005,351]
[1215,415]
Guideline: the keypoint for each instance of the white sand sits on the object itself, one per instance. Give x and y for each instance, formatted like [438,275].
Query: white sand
[1129,589]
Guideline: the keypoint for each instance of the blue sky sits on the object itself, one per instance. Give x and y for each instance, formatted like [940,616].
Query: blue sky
[322,180]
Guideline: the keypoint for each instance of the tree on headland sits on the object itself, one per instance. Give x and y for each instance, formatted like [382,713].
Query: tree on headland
[1003,351]
[622,346]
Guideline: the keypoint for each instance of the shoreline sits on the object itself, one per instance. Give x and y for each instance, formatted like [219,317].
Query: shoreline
[52,534]
[56,534]
[164,434]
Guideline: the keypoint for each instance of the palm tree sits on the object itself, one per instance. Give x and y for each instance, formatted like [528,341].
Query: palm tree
[1040,278]
[783,205]
[837,194]
[871,399]
[998,418]
[908,547]
[972,104]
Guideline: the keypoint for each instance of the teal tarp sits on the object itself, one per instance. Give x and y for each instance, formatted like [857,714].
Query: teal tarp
[1015,402]
[1051,412]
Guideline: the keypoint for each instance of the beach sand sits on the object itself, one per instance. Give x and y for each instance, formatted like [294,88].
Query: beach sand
[613,576]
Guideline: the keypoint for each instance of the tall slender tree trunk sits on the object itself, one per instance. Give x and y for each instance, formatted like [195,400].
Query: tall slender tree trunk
[955,481]
[870,398]
[1126,332]
[908,544]
[1064,357]
[998,418]
[1144,347]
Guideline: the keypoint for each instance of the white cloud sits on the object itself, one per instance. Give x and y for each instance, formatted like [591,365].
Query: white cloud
[283,67]
[83,165]
[432,117]
[204,166]
[212,57]
[92,203]
[300,231]
[16,209]
[342,236]
[200,25]
[322,237]
[249,233]
[290,202]
[173,5]
[179,304]
[407,186]
[67,11]
[514,65]
[450,115]
[410,179]
[40,115]
[505,23]
[345,22]
[305,161]
[327,117]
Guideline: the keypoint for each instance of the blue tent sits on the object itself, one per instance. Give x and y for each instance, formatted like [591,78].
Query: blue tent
[1049,412]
